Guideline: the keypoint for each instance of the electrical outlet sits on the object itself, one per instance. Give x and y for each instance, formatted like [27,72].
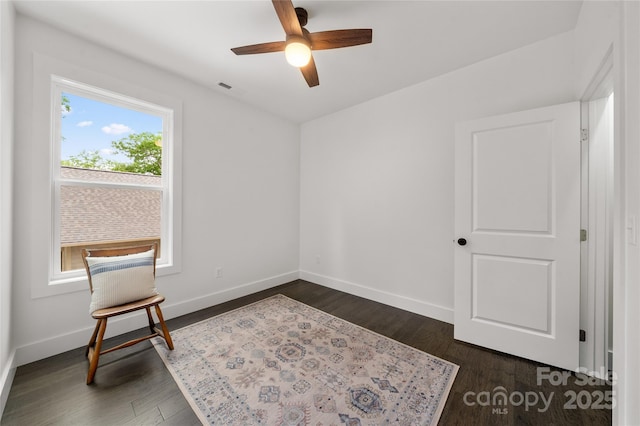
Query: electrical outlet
[218,272]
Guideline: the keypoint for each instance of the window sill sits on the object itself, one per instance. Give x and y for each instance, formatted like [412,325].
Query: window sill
[80,283]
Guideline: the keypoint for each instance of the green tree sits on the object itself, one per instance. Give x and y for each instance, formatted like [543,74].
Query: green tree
[88,160]
[65,105]
[145,151]
[65,108]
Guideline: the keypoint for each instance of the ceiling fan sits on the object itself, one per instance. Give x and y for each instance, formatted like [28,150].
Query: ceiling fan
[300,42]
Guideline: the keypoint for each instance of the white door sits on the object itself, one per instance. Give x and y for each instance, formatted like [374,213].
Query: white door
[517,228]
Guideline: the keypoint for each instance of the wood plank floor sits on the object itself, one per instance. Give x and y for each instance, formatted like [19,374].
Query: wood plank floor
[132,386]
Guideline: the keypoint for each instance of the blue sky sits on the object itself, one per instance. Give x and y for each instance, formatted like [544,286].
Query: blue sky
[93,125]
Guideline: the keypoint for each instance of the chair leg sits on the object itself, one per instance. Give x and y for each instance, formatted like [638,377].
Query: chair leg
[165,330]
[92,341]
[152,324]
[94,352]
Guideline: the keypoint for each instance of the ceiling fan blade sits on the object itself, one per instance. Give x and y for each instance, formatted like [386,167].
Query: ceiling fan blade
[274,46]
[339,38]
[288,17]
[310,73]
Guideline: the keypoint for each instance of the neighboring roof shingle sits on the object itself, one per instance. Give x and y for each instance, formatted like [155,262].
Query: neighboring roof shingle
[94,214]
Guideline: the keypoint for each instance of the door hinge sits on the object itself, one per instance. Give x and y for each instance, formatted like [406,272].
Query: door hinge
[583,336]
[584,135]
[583,235]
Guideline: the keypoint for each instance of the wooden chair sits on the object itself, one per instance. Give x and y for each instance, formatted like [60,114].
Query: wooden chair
[94,348]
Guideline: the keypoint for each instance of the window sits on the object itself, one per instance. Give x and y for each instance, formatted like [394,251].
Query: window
[111,175]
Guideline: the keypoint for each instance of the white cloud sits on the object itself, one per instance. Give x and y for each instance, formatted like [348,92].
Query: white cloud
[84,123]
[116,129]
[107,151]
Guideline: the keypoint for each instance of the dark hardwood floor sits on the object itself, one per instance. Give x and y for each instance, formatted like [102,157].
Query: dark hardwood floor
[132,386]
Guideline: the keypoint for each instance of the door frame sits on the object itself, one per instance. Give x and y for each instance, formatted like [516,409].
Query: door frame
[595,312]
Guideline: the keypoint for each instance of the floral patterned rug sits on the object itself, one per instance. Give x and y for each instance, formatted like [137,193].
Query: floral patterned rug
[281,362]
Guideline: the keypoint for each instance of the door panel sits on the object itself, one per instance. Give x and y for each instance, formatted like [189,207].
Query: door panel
[518,205]
[526,283]
[521,203]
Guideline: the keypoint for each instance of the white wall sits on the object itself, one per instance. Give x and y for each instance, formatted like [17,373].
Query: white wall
[240,194]
[597,28]
[7,18]
[377,179]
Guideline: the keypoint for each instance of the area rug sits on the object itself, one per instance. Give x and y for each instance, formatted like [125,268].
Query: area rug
[281,362]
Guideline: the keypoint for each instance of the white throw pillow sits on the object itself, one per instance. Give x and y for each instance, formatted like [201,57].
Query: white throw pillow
[121,279]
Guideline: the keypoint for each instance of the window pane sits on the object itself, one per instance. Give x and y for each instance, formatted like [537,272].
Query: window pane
[102,136]
[106,217]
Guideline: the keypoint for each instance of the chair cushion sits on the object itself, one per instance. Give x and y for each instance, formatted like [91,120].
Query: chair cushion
[121,279]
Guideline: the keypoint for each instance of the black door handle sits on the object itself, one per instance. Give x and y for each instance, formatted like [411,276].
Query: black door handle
[462,242]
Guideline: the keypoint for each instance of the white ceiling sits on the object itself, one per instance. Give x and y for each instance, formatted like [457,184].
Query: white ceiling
[413,41]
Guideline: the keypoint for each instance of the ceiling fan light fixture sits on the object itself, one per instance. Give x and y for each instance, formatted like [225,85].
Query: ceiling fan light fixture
[297,51]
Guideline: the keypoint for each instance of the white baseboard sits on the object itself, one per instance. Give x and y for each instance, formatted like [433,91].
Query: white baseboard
[125,323]
[416,306]
[61,343]
[6,380]
[195,304]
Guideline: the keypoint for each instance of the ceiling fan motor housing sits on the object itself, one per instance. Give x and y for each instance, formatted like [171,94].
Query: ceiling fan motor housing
[303,16]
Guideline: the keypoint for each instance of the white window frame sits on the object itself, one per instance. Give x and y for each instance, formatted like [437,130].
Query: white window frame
[166,263]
